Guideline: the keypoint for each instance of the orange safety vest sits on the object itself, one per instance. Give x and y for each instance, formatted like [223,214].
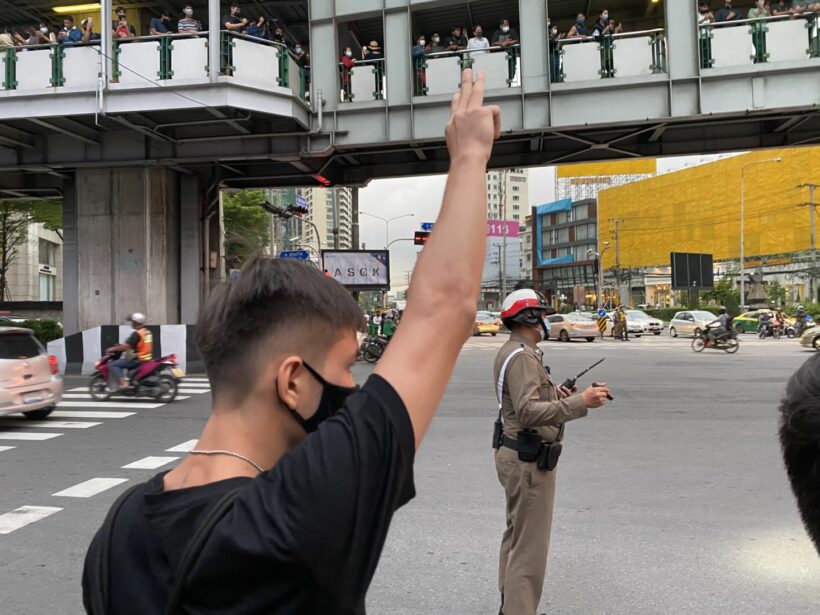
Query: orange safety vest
[145,345]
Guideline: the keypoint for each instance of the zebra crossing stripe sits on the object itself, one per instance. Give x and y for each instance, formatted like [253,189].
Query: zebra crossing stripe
[6,448]
[149,463]
[88,396]
[23,516]
[27,435]
[91,487]
[93,414]
[185,447]
[52,424]
[107,404]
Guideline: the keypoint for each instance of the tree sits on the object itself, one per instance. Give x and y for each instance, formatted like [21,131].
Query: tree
[247,225]
[775,293]
[725,293]
[15,218]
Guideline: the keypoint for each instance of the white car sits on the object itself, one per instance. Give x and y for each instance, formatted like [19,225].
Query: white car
[29,377]
[633,326]
[647,323]
[690,322]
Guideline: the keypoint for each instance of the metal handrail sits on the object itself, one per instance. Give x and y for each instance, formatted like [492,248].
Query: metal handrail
[53,45]
[255,39]
[158,37]
[735,22]
[591,37]
[449,54]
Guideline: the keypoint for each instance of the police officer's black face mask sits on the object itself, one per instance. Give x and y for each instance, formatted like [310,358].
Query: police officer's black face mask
[333,398]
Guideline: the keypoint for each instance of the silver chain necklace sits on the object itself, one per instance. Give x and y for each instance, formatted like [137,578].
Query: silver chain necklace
[231,454]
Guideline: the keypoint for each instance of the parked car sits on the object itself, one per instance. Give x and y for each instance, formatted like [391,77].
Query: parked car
[566,327]
[748,322]
[647,323]
[633,326]
[29,377]
[811,338]
[690,322]
[486,322]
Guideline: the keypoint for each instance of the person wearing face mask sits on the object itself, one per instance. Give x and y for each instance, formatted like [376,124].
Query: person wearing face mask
[347,63]
[159,25]
[457,39]
[760,9]
[604,26]
[579,28]
[532,413]
[505,35]
[261,29]
[283,505]
[188,24]
[120,26]
[555,53]
[42,34]
[726,13]
[436,45]
[419,52]
[477,45]
[233,21]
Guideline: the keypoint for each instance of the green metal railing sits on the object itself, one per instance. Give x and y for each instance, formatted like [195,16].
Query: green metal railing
[758,30]
[166,49]
[10,60]
[57,57]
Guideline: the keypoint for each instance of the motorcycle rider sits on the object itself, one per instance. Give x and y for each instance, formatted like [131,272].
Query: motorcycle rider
[765,324]
[800,320]
[719,327]
[139,348]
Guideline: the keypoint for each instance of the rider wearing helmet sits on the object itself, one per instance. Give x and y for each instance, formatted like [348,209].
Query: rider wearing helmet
[719,327]
[138,348]
[533,411]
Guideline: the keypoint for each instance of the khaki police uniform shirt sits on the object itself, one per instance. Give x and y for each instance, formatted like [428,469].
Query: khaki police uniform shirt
[529,399]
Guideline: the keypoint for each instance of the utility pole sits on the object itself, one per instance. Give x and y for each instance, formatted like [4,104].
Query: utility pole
[502,194]
[812,207]
[617,223]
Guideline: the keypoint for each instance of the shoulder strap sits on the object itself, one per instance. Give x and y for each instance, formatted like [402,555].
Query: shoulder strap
[195,546]
[500,385]
[99,597]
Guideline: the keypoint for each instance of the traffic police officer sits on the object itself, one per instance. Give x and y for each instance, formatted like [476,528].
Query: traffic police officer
[532,408]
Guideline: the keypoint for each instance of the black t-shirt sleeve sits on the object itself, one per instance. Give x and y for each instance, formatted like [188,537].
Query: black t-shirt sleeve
[329,502]
[133,340]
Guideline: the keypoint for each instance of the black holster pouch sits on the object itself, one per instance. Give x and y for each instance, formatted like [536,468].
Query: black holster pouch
[548,455]
[529,445]
[498,434]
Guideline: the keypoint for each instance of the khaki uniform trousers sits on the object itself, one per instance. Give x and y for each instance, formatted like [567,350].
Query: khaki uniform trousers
[530,496]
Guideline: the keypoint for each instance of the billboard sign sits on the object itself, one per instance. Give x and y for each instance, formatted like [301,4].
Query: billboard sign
[501,228]
[692,271]
[358,269]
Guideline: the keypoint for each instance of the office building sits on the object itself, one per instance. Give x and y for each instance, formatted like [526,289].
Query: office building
[507,194]
[35,273]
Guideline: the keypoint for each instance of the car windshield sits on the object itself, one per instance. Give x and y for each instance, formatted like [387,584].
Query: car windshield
[485,317]
[578,318]
[704,316]
[18,346]
[637,315]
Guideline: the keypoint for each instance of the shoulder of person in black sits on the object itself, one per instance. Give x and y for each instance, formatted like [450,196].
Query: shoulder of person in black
[133,339]
[303,537]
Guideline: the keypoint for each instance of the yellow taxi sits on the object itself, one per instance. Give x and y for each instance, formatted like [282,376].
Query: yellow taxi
[486,322]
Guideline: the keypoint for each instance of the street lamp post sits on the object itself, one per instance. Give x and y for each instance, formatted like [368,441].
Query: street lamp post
[387,222]
[743,226]
[600,257]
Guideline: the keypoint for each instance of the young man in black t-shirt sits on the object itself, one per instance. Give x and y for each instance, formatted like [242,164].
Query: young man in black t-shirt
[314,467]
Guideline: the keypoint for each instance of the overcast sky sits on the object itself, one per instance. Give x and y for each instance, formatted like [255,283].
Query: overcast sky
[421,196]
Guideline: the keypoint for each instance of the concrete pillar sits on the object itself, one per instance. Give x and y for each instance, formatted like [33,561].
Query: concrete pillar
[70,272]
[128,246]
[190,249]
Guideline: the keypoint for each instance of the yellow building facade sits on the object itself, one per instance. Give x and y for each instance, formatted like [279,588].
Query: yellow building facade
[698,210]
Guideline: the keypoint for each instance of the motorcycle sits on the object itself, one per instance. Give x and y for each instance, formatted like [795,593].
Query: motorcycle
[158,379]
[768,328]
[726,342]
[373,347]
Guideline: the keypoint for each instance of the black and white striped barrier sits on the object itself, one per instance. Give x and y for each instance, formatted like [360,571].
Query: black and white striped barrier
[77,353]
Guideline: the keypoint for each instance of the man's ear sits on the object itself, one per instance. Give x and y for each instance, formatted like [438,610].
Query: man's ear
[289,381]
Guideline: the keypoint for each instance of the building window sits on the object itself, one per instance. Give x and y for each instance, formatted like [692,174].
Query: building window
[581,232]
[48,284]
[516,197]
[580,212]
[563,235]
[48,253]
[516,207]
[515,188]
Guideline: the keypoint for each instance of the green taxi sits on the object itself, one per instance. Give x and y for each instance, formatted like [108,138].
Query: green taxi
[748,322]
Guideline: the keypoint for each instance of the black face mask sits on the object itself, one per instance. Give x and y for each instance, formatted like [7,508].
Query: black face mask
[333,398]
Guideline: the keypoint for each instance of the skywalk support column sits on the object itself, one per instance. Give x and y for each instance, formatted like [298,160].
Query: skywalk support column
[682,57]
[214,40]
[127,246]
[70,290]
[190,250]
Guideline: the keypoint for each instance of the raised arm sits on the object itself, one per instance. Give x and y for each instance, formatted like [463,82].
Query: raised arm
[441,301]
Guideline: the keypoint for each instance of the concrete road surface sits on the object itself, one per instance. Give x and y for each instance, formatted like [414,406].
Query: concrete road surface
[671,500]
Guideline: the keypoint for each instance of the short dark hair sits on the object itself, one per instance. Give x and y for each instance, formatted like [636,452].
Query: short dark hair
[118,9]
[68,18]
[270,302]
[800,441]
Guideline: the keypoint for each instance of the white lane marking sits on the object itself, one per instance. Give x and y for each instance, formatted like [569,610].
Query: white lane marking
[185,447]
[6,448]
[90,487]
[106,404]
[23,516]
[49,423]
[189,379]
[79,389]
[27,435]
[194,391]
[149,463]
[93,414]
[187,383]
[88,396]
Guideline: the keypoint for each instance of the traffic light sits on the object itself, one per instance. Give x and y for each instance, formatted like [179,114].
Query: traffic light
[420,238]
